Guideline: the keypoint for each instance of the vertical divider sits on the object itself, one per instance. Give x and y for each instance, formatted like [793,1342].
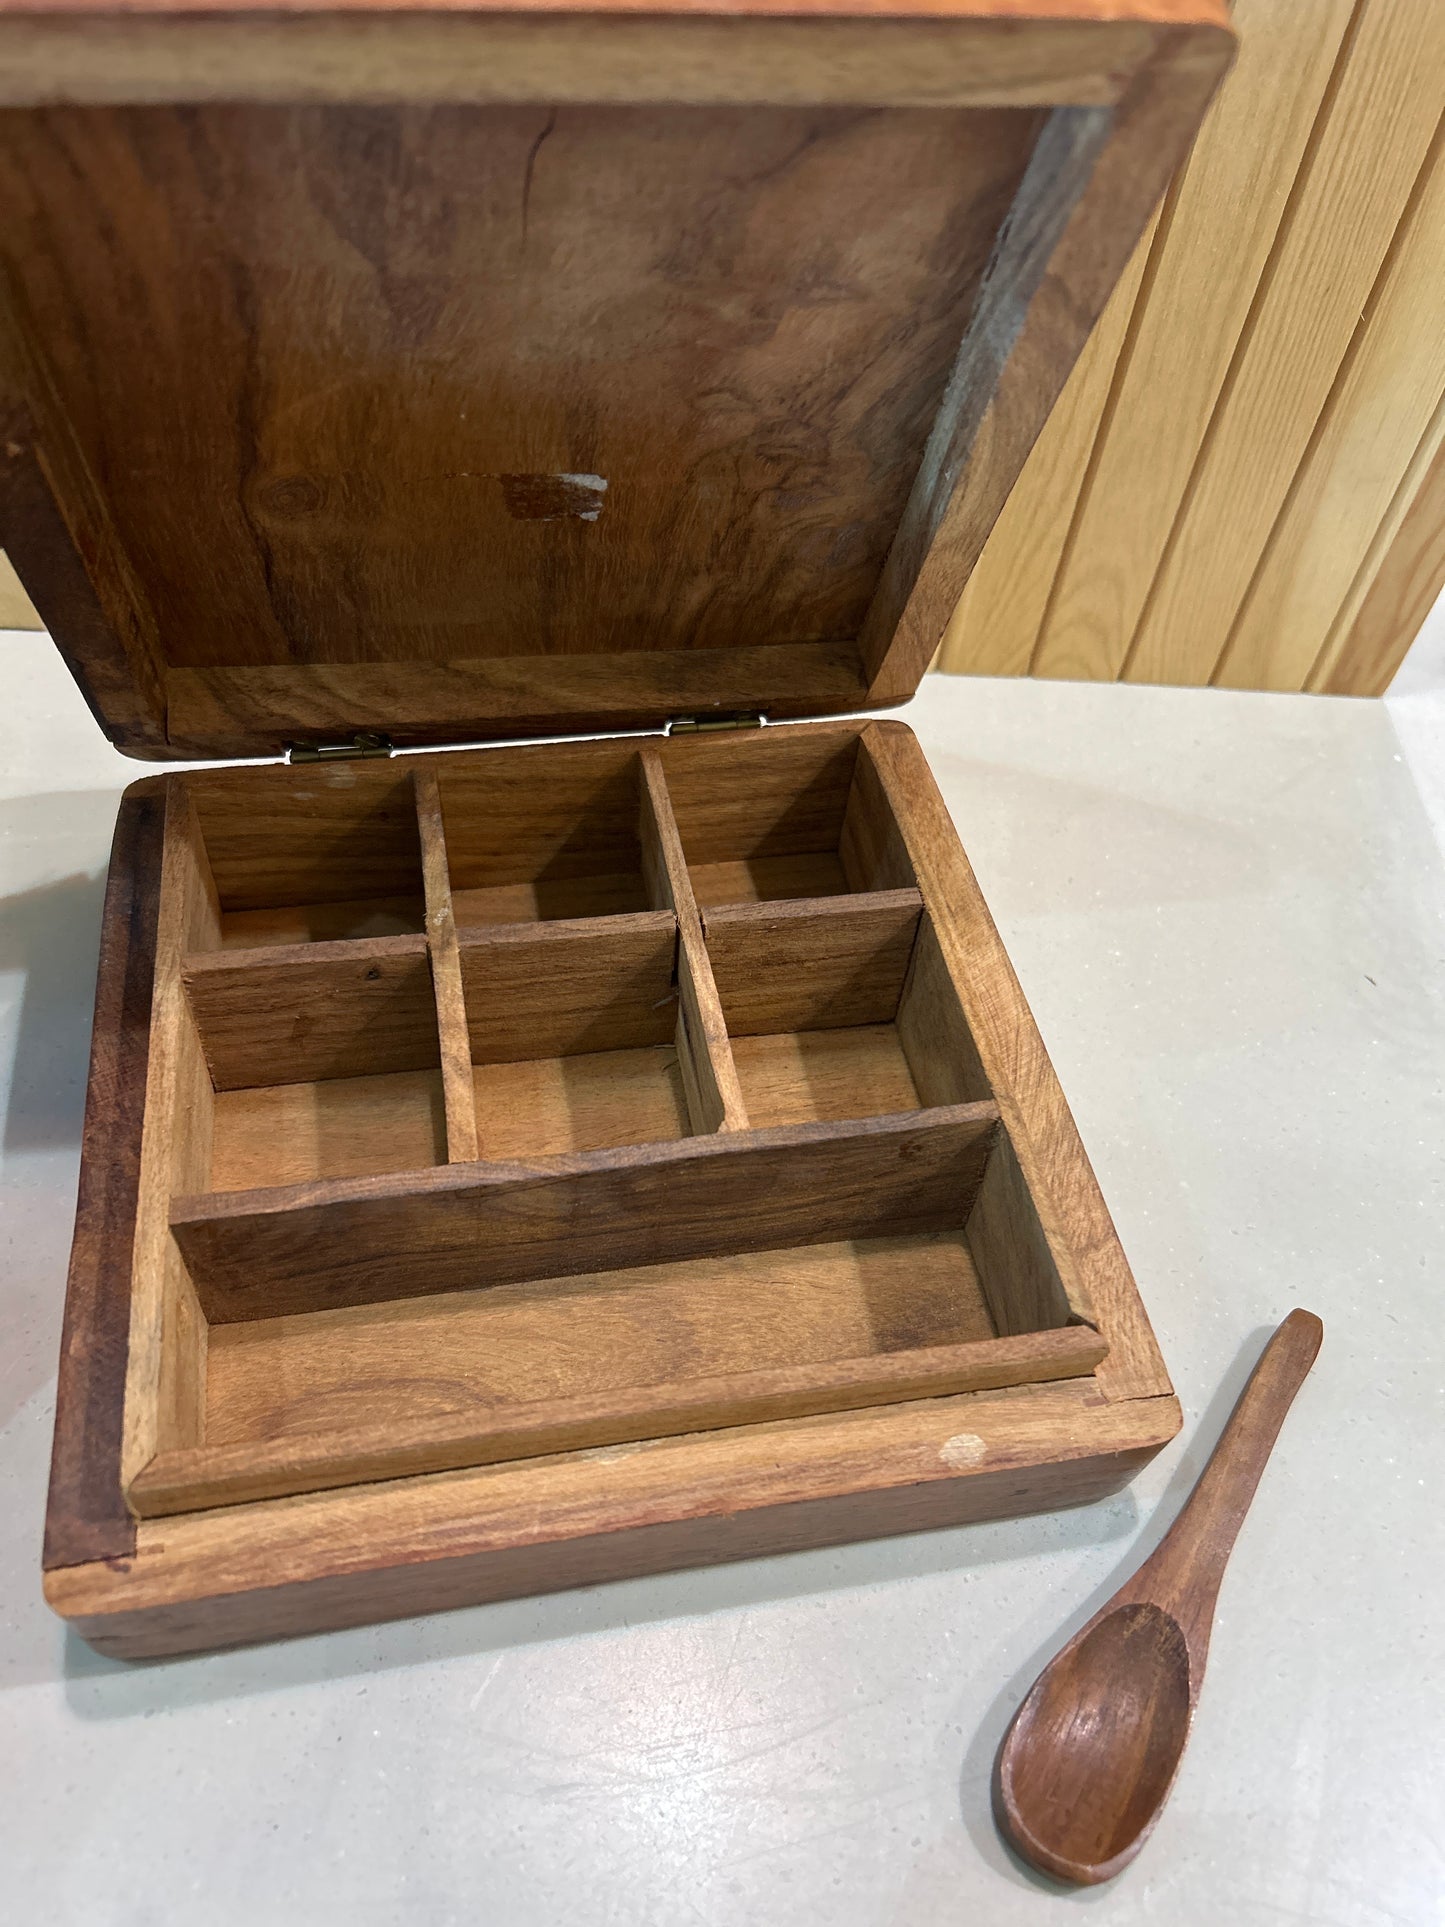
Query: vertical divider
[446,972]
[710,1078]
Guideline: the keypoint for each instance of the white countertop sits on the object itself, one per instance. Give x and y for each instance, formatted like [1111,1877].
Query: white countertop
[1228,912]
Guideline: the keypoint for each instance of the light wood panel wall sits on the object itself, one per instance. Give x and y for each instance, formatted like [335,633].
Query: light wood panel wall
[1243,483]
[15,608]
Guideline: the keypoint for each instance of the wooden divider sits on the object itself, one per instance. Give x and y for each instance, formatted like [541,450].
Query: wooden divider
[710,1079]
[311,1247]
[451,1010]
[188,1479]
[812,962]
[366,1001]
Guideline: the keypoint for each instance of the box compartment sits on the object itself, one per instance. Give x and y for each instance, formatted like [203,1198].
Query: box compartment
[571,1028]
[355,1336]
[328,852]
[535,1185]
[774,819]
[520,851]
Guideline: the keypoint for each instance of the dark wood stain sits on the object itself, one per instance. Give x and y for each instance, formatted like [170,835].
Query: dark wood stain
[301,347]
[87,1517]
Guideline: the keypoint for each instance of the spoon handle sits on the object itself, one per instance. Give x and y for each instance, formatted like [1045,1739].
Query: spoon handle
[1184,1571]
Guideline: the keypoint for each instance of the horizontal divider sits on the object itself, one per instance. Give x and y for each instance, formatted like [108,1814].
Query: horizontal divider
[354,1241]
[294,1013]
[811,963]
[196,1477]
[573,984]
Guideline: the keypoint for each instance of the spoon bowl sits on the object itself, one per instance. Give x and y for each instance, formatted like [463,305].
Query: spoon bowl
[1090,1756]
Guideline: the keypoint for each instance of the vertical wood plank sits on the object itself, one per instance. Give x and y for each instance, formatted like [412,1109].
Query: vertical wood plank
[705,1056]
[165,1361]
[978,447]
[1388,391]
[458,1093]
[1219,226]
[1397,586]
[16,609]
[994,628]
[1371,140]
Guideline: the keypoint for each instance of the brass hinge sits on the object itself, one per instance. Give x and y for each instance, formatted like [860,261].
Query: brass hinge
[724,719]
[366,743]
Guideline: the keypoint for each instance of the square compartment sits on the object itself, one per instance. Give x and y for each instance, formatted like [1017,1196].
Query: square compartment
[527,848]
[840,1009]
[923,1272]
[572,1035]
[331,854]
[764,820]
[354,1025]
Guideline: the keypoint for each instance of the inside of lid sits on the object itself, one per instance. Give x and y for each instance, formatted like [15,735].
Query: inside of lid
[450,421]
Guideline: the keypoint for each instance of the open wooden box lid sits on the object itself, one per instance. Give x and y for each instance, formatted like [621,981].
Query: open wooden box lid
[467,373]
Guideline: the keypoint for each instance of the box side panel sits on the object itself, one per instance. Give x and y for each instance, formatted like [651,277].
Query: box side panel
[1060,1179]
[313,1563]
[86,1517]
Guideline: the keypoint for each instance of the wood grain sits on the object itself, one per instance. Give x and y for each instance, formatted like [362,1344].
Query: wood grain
[1090,1756]
[86,1517]
[996,620]
[594,1101]
[1011,1251]
[555,989]
[818,964]
[1084,1245]
[75,574]
[165,1351]
[309,1247]
[464,1355]
[694,240]
[704,1054]
[1398,584]
[769,879]
[301,1012]
[958,54]
[761,794]
[1084,240]
[1344,211]
[424,1545]
[450,1017]
[871,849]
[823,1076]
[259,710]
[933,1031]
[1227,204]
[341,1127]
[1392,378]
[197,1477]
[324,922]
[308,836]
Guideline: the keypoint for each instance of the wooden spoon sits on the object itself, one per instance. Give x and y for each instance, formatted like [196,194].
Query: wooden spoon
[1090,1756]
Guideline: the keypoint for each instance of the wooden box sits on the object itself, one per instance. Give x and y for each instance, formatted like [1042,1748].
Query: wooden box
[513,1167]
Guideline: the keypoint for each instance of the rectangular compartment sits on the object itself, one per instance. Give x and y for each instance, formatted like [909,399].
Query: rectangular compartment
[572,1032]
[524,851]
[327,852]
[619,1305]
[840,1008]
[323,1060]
[770,819]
